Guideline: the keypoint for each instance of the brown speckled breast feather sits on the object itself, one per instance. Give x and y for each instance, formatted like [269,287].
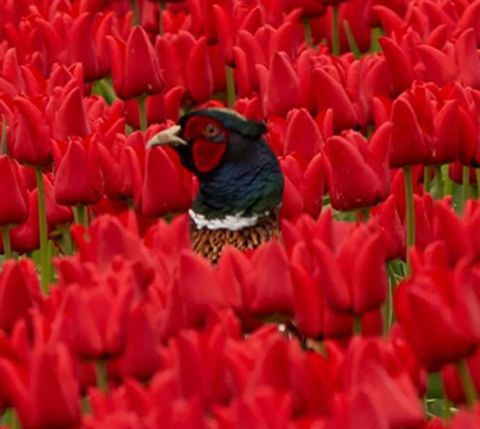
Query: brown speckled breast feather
[210,243]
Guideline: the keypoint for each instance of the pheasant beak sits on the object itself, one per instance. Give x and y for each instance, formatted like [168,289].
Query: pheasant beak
[169,136]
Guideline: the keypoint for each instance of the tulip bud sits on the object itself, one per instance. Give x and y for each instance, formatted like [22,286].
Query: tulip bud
[135,66]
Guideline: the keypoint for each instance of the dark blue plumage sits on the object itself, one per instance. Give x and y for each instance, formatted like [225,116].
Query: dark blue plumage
[248,181]
[240,182]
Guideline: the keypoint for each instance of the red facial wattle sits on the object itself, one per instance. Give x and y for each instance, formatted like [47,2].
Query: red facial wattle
[207,155]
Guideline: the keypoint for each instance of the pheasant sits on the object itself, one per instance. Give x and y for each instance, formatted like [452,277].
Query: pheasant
[240,181]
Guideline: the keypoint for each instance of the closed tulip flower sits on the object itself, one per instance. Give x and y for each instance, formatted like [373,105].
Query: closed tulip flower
[135,67]
[19,292]
[88,43]
[167,188]
[32,140]
[46,392]
[354,278]
[445,301]
[14,200]
[357,171]
[78,179]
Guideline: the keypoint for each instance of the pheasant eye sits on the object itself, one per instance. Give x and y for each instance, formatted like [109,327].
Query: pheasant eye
[211,130]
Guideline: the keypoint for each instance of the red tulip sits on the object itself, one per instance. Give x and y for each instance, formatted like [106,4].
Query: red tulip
[424,210]
[198,72]
[392,227]
[273,285]
[354,278]
[141,357]
[202,354]
[451,380]
[314,318]
[449,329]
[399,65]
[160,108]
[48,394]
[11,82]
[78,179]
[168,240]
[437,66]
[466,419]
[225,32]
[70,116]
[261,408]
[254,53]
[399,346]
[280,75]
[14,201]
[198,288]
[25,237]
[330,94]
[358,172]
[303,191]
[303,135]
[19,292]
[241,73]
[88,43]
[388,16]
[92,317]
[448,228]
[56,213]
[430,125]
[309,8]
[472,219]
[108,239]
[167,188]
[408,142]
[371,374]
[122,165]
[176,48]
[135,66]
[32,140]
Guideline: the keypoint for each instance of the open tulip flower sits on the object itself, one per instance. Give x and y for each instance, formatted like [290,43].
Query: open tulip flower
[239,214]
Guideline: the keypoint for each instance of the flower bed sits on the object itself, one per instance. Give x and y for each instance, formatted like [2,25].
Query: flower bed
[366,314]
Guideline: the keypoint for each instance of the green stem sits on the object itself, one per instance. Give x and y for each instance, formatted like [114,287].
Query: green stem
[10,419]
[7,246]
[447,411]
[4,135]
[161,7]
[80,215]
[102,375]
[375,35]
[104,88]
[409,213]
[357,325]
[67,242]
[448,183]
[388,310]
[438,188]
[465,188]
[426,178]
[467,382]
[307,31]
[230,79]
[352,43]
[136,12]
[43,230]
[363,214]
[335,31]
[142,111]
[86,405]
[477,177]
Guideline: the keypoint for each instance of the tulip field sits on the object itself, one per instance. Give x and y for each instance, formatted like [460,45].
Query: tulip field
[364,314]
